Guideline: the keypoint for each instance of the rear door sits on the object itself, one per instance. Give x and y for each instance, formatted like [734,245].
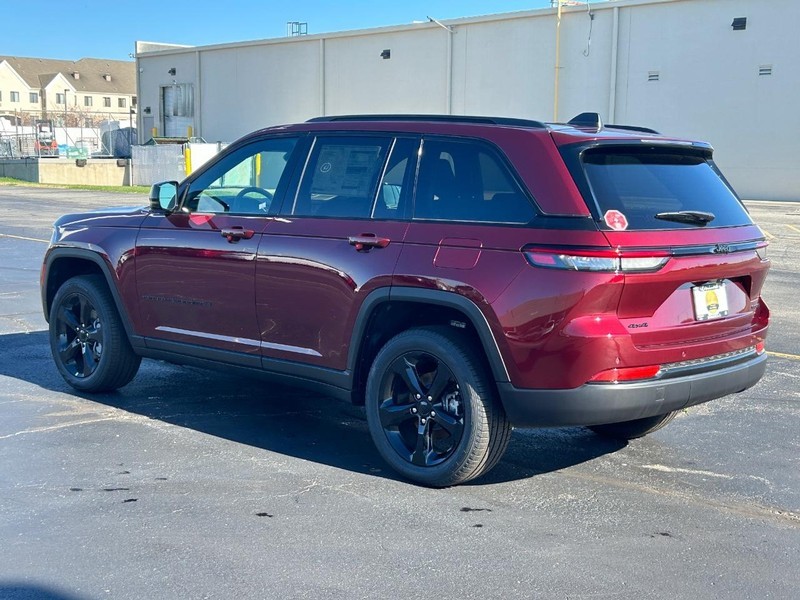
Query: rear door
[470,221]
[337,239]
[672,205]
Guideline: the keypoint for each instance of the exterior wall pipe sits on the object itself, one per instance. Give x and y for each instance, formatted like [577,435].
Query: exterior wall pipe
[612,86]
[558,62]
[322,77]
[449,82]
[198,97]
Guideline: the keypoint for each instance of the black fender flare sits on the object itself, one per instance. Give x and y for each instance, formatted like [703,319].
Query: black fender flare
[58,252]
[429,296]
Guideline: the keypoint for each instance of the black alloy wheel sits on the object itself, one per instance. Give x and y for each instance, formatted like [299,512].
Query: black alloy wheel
[79,335]
[431,408]
[87,338]
[420,409]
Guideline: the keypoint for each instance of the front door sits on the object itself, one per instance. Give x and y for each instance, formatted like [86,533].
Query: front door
[195,268]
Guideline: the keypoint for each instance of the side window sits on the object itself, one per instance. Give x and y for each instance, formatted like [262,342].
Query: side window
[467,181]
[341,177]
[394,194]
[244,182]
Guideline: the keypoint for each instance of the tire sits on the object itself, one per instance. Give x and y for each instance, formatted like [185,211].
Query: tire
[630,430]
[87,338]
[431,408]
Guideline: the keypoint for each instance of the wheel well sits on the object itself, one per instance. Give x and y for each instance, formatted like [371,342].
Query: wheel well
[62,269]
[392,317]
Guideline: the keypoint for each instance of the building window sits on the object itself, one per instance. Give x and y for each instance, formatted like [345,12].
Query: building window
[87,100]
[122,102]
[1,96]
[61,98]
[133,100]
[33,97]
[14,96]
[106,101]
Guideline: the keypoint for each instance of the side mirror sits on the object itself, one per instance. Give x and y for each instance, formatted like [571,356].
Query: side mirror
[164,196]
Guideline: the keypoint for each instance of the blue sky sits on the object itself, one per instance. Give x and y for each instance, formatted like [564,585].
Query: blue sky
[101,29]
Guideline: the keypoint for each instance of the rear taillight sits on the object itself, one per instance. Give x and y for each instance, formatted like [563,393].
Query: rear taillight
[760,348]
[604,260]
[627,374]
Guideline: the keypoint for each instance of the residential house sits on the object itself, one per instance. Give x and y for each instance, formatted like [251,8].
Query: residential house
[78,93]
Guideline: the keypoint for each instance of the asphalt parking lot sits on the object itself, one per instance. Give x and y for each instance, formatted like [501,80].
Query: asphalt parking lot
[192,484]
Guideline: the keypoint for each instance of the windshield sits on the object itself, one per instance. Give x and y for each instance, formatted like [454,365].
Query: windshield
[660,188]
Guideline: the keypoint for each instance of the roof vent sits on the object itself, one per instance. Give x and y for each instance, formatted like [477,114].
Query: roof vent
[107,77]
[739,24]
[76,75]
[765,70]
[587,119]
[653,76]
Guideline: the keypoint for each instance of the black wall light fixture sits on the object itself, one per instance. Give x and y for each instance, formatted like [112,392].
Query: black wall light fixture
[739,23]
[386,54]
[172,71]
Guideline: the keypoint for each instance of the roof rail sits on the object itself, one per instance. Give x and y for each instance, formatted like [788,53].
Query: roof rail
[508,121]
[634,128]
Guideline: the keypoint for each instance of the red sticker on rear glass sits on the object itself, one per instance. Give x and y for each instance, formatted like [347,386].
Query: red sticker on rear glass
[616,220]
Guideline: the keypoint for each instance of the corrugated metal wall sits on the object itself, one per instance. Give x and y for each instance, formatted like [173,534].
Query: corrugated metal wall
[157,163]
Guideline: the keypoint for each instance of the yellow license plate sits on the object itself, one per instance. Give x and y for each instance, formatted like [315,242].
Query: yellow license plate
[710,301]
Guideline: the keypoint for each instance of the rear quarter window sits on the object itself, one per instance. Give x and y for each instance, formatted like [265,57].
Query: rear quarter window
[468,181]
[643,182]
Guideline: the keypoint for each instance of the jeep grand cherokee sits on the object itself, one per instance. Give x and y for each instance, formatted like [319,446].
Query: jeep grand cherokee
[456,275]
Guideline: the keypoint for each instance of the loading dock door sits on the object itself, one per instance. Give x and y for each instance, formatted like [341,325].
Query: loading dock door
[177,109]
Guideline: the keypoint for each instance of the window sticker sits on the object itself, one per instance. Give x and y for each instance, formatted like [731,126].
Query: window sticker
[346,171]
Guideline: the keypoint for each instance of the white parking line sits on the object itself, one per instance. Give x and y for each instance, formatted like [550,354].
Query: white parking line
[782,355]
[666,469]
[22,237]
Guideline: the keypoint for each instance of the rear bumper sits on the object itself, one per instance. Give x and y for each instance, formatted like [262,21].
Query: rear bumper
[595,404]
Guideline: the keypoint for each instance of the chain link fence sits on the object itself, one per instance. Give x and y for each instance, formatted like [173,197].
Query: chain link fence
[73,133]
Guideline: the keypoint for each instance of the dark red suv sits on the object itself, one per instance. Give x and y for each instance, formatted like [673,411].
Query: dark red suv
[456,275]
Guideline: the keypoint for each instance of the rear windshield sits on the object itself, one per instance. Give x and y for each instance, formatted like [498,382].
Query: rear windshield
[641,183]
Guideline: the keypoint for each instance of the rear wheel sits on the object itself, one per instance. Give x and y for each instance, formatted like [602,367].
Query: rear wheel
[87,338]
[431,408]
[629,430]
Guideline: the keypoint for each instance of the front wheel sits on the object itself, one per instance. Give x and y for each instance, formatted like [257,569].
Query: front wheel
[630,430]
[431,408]
[87,338]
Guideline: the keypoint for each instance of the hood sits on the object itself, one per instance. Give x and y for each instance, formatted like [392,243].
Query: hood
[116,216]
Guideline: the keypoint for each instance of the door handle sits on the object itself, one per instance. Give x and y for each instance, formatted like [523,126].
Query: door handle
[234,234]
[365,241]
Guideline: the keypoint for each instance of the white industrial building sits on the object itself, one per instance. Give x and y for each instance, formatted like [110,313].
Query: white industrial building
[725,71]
